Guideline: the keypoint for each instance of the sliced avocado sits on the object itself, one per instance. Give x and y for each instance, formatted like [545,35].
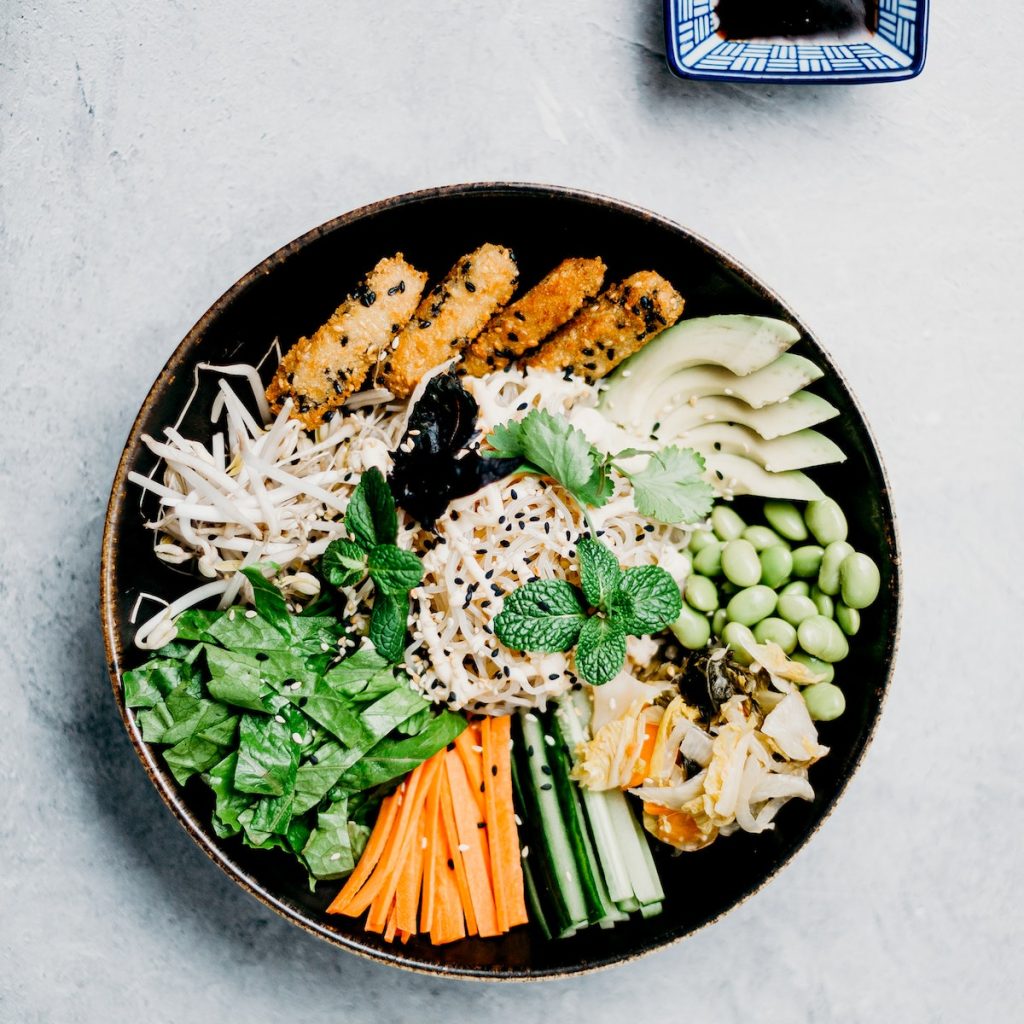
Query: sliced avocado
[772,383]
[800,450]
[733,474]
[798,412]
[742,344]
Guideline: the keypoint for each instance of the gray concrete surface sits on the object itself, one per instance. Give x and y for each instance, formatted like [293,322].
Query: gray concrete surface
[152,152]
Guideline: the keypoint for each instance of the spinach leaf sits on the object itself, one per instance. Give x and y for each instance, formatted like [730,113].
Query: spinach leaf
[146,686]
[268,755]
[230,803]
[329,851]
[322,771]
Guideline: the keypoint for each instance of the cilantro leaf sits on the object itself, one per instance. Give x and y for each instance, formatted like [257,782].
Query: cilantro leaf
[387,626]
[546,615]
[344,563]
[671,488]
[601,651]
[646,601]
[557,449]
[370,517]
[599,571]
[393,570]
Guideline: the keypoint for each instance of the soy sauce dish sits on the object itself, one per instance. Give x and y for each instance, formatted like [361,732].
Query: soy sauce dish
[499,581]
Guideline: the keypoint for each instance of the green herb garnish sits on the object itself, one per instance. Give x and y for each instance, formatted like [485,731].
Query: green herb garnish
[370,550]
[610,604]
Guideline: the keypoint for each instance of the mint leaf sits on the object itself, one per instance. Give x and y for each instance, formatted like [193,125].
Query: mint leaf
[387,626]
[344,563]
[646,601]
[393,570]
[599,571]
[671,488]
[601,651]
[542,616]
[370,517]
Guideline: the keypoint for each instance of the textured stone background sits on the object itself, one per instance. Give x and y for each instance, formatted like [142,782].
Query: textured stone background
[153,152]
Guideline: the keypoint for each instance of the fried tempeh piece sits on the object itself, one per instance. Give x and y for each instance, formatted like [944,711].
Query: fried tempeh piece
[318,373]
[451,316]
[524,324]
[620,322]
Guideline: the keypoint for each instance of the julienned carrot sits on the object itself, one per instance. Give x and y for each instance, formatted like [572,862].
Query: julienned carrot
[430,868]
[371,855]
[640,768]
[407,896]
[473,847]
[502,834]
[451,832]
[469,747]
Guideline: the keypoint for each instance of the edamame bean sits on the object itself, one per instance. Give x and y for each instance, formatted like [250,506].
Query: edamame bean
[740,563]
[701,594]
[762,537]
[776,565]
[691,629]
[718,622]
[740,640]
[807,560]
[701,539]
[824,701]
[816,665]
[848,619]
[776,631]
[826,521]
[796,587]
[828,574]
[708,561]
[785,518]
[794,608]
[726,523]
[752,605]
[824,603]
[821,637]
[859,580]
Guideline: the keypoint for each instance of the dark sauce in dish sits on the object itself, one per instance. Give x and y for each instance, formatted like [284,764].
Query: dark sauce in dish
[752,19]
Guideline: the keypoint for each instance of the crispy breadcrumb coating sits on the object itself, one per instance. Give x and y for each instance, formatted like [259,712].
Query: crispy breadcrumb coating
[451,316]
[525,323]
[617,324]
[318,373]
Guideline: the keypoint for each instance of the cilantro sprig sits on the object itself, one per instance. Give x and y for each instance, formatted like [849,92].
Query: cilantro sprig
[370,550]
[610,604]
[669,488]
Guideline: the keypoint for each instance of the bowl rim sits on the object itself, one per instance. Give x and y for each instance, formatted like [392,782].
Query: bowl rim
[912,70]
[170,793]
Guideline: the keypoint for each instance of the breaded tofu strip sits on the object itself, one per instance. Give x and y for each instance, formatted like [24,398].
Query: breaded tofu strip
[451,316]
[320,372]
[619,323]
[523,325]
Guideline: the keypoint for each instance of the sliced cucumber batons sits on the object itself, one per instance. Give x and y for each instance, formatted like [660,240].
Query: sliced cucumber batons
[734,474]
[742,344]
[800,450]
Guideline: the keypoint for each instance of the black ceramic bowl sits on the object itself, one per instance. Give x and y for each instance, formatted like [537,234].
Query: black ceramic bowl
[294,291]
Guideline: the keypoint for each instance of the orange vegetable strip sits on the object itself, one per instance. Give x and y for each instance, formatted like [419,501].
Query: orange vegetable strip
[390,858]
[392,927]
[430,863]
[454,922]
[452,835]
[472,761]
[371,855]
[407,896]
[503,836]
[440,923]
[640,769]
[473,847]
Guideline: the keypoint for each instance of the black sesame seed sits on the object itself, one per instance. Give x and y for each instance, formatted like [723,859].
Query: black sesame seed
[494,769]
[513,495]
[481,824]
[470,287]
[545,785]
[545,769]
[451,864]
[424,324]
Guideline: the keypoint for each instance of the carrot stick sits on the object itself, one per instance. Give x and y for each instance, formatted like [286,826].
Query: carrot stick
[395,843]
[440,919]
[472,762]
[472,846]
[407,896]
[454,926]
[392,927]
[430,865]
[371,855]
[503,837]
[641,767]
[452,835]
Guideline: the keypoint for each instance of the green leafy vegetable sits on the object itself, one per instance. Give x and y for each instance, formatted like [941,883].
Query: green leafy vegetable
[670,488]
[548,615]
[387,625]
[370,517]
[268,756]
[394,571]
[344,563]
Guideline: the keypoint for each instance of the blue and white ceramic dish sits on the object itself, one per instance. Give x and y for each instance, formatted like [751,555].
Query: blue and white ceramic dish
[894,50]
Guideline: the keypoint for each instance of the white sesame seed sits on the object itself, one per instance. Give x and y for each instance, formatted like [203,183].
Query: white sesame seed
[463,847]
[519,821]
[324,646]
[297,737]
[335,856]
[250,614]
[279,719]
[231,615]
[423,842]
[296,685]
[525,851]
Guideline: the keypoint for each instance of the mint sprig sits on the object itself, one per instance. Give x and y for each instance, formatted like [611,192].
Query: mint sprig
[550,615]
[370,550]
